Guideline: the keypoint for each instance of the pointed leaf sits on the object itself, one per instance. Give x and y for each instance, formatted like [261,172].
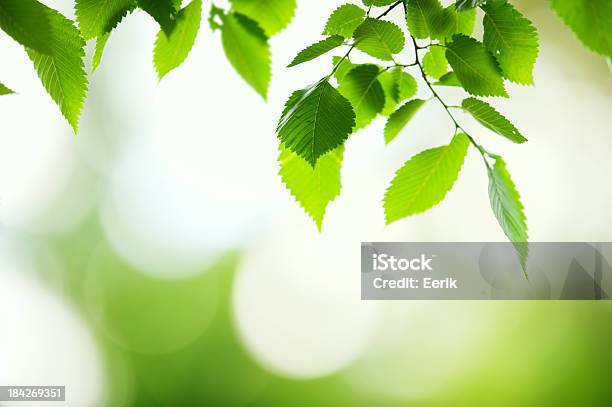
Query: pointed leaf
[344,20]
[314,188]
[246,47]
[378,3]
[380,39]
[507,207]
[171,50]
[99,51]
[475,67]
[400,119]
[435,63]
[425,180]
[4,90]
[512,39]
[318,49]
[590,20]
[428,19]
[343,67]
[316,120]
[98,17]
[491,119]
[271,15]
[362,88]
[62,71]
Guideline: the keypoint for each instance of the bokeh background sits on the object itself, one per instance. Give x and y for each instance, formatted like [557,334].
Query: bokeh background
[156,260]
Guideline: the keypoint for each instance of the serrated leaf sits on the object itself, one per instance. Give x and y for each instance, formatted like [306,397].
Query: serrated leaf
[344,20]
[380,39]
[26,22]
[342,67]
[62,71]
[590,20]
[316,120]
[450,79]
[398,86]
[507,207]
[271,15]
[425,180]
[428,19]
[313,188]
[492,119]
[246,47]
[461,5]
[400,119]
[317,49]
[4,90]
[99,17]
[99,51]
[362,88]
[435,63]
[406,84]
[162,11]
[465,22]
[475,67]
[512,39]
[172,50]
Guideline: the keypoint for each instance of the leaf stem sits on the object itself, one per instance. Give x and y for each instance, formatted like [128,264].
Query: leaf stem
[484,153]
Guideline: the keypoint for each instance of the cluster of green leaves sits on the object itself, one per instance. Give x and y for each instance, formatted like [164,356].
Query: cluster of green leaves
[56,45]
[318,120]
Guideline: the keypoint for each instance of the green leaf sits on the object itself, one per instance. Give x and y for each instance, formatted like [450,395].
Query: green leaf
[343,67]
[450,79]
[508,209]
[461,5]
[491,119]
[362,88]
[435,63]
[99,51]
[590,20]
[406,84]
[26,22]
[318,49]
[344,20]
[171,50]
[400,119]
[99,17]
[162,11]
[475,67]
[428,19]
[316,120]
[271,15]
[465,22]
[398,86]
[62,71]
[4,90]
[246,47]
[314,188]
[512,39]
[380,39]
[425,180]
